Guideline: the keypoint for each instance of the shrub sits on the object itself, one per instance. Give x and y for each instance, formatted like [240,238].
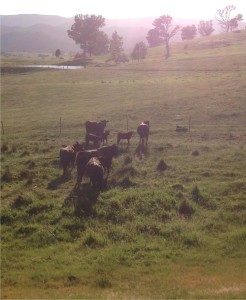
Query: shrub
[196,195]
[162,166]
[20,201]
[7,176]
[186,209]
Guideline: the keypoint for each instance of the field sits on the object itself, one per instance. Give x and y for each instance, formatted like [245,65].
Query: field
[171,222]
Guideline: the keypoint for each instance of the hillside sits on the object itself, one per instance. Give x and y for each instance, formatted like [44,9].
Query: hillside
[169,222]
[42,33]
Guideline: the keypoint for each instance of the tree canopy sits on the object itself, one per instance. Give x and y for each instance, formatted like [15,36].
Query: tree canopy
[116,47]
[205,28]
[85,31]
[154,38]
[188,32]
[139,51]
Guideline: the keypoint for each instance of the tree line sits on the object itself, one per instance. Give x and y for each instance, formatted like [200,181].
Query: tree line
[86,32]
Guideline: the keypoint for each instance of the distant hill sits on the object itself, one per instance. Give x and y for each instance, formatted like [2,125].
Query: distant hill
[46,33]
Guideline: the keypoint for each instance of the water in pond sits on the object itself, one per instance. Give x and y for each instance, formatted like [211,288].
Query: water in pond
[55,67]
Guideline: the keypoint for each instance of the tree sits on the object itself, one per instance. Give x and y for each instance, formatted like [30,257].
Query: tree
[85,30]
[139,51]
[223,16]
[205,28]
[164,27]
[116,47]
[153,38]
[188,32]
[58,53]
[99,45]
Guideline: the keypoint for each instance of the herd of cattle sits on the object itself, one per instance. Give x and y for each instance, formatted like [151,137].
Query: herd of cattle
[96,162]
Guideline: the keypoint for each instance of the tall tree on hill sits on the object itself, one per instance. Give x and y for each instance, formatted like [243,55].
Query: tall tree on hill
[153,38]
[226,22]
[188,32]
[116,47]
[163,25]
[205,28]
[85,30]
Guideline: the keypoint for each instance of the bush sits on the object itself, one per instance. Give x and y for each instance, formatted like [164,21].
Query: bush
[186,209]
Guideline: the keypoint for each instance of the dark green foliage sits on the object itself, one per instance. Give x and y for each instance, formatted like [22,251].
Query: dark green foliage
[196,195]
[153,38]
[116,47]
[7,176]
[162,166]
[21,201]
[186,209]
[85,31]
[188,32]
[139,51]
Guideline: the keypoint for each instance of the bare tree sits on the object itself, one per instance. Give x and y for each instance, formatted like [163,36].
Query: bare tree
[223,16]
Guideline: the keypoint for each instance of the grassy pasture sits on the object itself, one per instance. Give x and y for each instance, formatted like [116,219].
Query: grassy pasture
[171,232]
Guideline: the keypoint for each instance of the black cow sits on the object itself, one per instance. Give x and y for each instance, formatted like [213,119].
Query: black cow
[143,131]
[106,152]
[96,128]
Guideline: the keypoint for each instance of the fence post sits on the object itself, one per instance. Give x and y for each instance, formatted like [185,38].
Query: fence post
[60,127]
[2,127]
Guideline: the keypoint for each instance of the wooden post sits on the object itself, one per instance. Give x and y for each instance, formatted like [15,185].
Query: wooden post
[189,128]
[60,127]
[2,128]
[127,123]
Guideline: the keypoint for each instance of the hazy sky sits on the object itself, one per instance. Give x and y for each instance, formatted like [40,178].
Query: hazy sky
[200,9]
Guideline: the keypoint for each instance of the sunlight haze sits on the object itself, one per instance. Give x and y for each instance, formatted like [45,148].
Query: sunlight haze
[122,9]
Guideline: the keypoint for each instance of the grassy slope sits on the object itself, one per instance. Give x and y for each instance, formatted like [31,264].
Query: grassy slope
[178,233]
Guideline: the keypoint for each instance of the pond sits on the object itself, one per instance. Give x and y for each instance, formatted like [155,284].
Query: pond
[54,67]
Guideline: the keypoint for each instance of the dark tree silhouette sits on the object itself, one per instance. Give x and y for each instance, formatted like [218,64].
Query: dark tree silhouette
[164,27]
[85,30]
[226,22]
[153,38]
[205,28]
[188,32]
[139,51]
[58,53]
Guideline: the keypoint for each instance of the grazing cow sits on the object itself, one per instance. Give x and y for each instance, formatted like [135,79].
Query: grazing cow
[105,136]
[68,154]
[90,137]
[94,170]
[107,152]
[143,131]
[96,128]
[124,136]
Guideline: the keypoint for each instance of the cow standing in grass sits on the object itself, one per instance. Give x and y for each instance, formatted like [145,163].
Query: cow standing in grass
[68,154]
[124,136]
[95,171]
[143,131]
[106,152]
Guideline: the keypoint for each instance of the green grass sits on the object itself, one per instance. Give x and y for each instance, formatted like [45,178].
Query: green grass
[171,232]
